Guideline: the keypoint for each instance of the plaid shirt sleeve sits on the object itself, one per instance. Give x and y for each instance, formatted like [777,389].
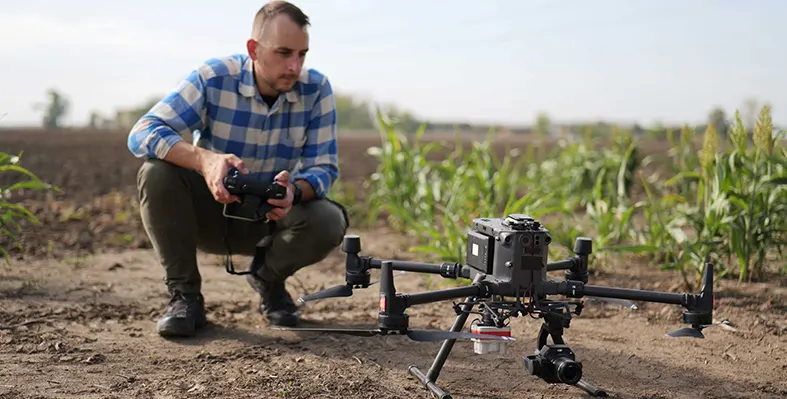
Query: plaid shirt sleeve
[320,160]
[179,113]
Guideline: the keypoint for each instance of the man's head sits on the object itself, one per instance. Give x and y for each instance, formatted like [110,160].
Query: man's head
[278,45]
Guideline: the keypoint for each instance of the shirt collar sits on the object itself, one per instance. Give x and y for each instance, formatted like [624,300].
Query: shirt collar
[247,88]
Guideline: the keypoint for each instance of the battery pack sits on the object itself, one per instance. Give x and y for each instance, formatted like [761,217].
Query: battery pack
[490,346]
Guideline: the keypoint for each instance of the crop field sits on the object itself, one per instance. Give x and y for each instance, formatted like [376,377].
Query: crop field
[81,292]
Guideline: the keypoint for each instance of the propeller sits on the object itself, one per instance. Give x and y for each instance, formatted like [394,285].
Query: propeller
[701,310]
[337,291]
[695,331]
[615,301]
[415,335]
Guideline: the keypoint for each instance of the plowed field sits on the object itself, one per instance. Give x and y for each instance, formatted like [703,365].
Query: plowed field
[78,310]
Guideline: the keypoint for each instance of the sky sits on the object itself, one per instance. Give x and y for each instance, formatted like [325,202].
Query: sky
[492,61]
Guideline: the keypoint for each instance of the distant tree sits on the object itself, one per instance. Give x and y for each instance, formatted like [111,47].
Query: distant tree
[750,106]
[356,114]
[57,108]
[543,124]
[353,114]
[657,131]
[718,119]
[94,120]
[405,121]
[125,119]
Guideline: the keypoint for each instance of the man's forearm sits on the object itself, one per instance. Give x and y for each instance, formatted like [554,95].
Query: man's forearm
[187,155]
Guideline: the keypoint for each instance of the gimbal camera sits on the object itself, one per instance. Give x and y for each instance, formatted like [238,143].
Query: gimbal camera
[507,265]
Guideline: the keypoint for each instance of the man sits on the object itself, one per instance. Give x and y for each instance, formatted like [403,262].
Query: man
[262,114]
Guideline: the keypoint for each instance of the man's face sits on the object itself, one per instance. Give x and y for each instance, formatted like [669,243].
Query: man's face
[278,54]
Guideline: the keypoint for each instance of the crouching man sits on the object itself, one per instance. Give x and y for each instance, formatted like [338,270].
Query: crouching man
[260,113]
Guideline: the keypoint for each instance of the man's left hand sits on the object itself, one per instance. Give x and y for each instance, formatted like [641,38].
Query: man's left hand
[283,205]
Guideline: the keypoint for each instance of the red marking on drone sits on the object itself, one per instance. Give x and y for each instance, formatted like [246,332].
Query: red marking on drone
[500,333]
[382,303]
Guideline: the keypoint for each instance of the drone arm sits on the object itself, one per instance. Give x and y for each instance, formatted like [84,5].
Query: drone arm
[636,295]
[358,266]
[564,264]
[702,302]
[446,270]
[475,290]
[577,289]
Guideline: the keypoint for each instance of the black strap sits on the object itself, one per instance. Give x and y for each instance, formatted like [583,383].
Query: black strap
[259,254]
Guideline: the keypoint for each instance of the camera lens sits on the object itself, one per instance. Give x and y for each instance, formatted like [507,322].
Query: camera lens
[567,370]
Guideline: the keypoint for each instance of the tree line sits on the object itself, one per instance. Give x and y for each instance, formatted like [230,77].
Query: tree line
[355,114]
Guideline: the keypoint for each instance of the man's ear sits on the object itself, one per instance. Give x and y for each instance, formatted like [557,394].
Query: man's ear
[251,47]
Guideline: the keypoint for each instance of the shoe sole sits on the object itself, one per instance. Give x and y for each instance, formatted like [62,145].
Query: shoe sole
[287,321]
[174,330]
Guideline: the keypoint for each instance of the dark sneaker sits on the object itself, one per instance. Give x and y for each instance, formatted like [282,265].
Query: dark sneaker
[276,304]
[185,314]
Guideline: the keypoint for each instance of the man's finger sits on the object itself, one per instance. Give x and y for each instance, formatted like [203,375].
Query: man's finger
[272,216]
[238,163]
[279,213]
[222,195]
[279,202]
[283,176]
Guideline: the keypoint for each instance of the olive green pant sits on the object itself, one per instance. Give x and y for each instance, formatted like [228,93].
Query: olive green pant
[181,217]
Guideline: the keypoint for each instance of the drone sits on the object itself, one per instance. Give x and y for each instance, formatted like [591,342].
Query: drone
[507,263]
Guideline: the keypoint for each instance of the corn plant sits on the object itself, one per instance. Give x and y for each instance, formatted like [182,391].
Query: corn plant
[722,204]
[758,193]
[661,231]
[739,205]
[401,187]
[12,215]
[682,157]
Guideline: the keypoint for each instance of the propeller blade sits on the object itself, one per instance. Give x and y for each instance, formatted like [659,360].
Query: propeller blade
[695,331]
[415,335]
[395,274]
[692,332]
[430,335]
[616,301]
[333,292]
[337,291]
[358,332]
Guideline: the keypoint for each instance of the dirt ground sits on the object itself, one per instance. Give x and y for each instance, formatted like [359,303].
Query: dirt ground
[77,319]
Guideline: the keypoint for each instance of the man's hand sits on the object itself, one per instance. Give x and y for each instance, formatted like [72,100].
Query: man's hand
[284,205]
[214,168]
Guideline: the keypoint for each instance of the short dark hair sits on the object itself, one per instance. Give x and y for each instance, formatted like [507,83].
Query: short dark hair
[274,8]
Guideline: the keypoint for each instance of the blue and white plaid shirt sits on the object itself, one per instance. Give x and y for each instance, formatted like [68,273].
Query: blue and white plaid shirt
[219,104]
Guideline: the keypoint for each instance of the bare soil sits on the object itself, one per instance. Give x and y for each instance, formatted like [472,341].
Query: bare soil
[78,312]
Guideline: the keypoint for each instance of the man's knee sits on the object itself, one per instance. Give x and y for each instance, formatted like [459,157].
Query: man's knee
[156,174]
[307,235]
[323,223]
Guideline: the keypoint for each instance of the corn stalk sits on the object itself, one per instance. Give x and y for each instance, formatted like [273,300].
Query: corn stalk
[13,215]
[720,205]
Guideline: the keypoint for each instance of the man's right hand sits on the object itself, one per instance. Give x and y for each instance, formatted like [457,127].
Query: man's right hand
[214,168]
